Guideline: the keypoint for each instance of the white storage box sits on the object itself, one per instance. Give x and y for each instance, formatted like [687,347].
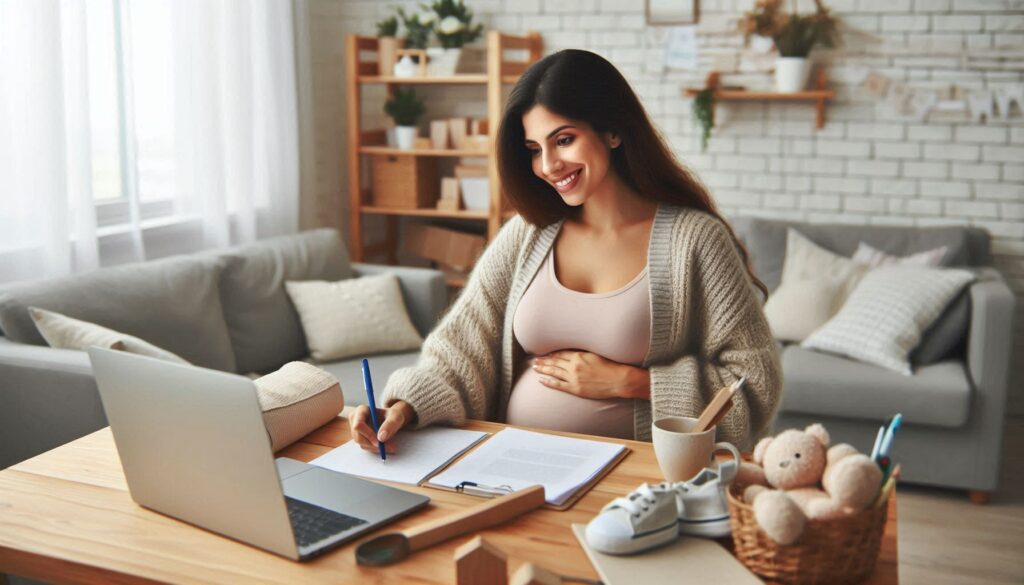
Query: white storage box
[476,193]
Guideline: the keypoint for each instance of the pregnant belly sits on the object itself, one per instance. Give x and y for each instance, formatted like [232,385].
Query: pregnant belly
[533,404]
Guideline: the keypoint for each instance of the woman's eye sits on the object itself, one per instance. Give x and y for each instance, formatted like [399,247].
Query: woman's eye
[797,455]
[564,140]
[534,152]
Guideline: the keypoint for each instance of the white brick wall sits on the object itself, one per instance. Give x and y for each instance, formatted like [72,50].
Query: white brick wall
[868,165]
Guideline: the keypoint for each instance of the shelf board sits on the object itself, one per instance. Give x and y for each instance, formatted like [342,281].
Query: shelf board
[462,79]
[388,151]
[735,95]
[425,212]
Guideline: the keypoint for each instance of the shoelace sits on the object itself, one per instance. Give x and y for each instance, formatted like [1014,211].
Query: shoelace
[638,500]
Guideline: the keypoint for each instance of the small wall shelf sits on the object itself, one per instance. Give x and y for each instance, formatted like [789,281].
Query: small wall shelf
[817,96]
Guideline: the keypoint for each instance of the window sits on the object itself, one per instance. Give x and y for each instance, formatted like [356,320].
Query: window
[131,108]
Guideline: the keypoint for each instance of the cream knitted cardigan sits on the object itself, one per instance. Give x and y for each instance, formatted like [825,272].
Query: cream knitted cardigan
[707,330]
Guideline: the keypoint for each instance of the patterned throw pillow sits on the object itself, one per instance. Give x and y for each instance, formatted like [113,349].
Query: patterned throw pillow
[884,317]
[357,316]
[66,333]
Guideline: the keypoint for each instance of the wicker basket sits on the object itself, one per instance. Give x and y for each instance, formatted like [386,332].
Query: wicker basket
[838,551]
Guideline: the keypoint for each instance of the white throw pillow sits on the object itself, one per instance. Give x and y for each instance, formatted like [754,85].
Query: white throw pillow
[884,318]
[815,283]
[873,257]
[67,333]
[358,316]
[797,308]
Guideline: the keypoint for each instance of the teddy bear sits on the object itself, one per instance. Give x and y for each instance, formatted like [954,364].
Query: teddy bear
[810,479]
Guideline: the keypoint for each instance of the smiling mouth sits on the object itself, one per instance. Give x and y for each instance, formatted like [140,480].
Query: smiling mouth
[566,184]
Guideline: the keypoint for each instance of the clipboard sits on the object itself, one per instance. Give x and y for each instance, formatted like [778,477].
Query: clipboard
[473,488]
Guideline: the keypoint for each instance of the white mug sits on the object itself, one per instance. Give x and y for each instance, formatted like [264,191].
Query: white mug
[682,453]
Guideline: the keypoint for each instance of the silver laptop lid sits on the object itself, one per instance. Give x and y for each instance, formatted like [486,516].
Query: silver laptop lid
[193,446]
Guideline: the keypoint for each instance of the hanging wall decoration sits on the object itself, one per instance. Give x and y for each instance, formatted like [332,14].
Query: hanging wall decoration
[977,104]
[1006,96]
[980,105]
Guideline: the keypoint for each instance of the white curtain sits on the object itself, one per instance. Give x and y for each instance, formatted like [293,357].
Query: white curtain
[232,168]
[47,217]
[235,109]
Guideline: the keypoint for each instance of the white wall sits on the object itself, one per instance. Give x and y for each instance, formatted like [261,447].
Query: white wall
[868,165]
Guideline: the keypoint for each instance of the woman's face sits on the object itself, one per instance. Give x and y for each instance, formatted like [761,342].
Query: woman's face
[568,154]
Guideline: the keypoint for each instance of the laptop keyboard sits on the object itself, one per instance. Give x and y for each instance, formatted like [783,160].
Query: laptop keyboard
[312,523]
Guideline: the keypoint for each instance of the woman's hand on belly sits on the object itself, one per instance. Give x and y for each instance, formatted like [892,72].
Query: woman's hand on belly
[589,375]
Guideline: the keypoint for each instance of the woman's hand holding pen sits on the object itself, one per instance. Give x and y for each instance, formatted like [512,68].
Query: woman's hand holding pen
[393,418]
[589,375]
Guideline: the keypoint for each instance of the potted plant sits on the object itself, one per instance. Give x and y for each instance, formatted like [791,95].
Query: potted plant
[794,35]
[417,28]
[704,113]
[387,45]
[405,108]
[454,28]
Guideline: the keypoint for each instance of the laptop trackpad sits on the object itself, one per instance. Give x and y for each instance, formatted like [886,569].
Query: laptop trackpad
[350,495]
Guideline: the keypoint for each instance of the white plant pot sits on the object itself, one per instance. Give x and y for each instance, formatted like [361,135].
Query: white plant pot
[389,134]
[443,62]
[405,67]
[405,137]
[791,74]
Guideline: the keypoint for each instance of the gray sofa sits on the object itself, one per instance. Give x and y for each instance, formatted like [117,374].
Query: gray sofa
[953,407]
[225,310]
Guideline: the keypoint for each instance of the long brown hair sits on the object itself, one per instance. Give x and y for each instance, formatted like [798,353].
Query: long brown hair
[581,85]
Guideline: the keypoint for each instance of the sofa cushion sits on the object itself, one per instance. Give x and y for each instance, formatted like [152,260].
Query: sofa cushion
[353,317]
[173,303]
[947,334]
[264,327]
[350,374]
[873,257]
[766,241]
[67,333]
[884,318]
[827,385]
[815,284]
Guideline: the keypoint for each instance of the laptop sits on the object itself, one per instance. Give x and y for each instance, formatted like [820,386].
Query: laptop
[193,446]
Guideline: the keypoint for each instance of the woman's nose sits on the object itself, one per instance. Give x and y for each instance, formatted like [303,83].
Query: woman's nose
[550,162]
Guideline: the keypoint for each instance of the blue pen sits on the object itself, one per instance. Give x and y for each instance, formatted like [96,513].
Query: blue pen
[368,384]
[897,420]
[878,443]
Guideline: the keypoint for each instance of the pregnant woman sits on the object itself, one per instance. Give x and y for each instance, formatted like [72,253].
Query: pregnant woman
[618,295]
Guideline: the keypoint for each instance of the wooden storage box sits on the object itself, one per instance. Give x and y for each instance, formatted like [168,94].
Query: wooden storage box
[403,181]
[455,249]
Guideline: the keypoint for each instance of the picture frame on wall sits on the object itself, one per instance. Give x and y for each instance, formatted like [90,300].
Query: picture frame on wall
[672,12]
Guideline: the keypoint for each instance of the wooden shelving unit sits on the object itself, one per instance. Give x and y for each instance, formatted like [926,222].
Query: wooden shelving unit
[363,143]
[817,96]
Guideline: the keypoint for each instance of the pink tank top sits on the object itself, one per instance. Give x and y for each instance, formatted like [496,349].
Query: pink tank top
[551,317]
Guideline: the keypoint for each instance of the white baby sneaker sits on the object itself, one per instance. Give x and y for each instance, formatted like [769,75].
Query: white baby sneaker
[645,518]
[703,506]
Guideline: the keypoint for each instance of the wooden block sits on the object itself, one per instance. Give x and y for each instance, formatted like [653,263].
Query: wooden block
[531,574]
[463,170]
[480,142]
[449,204]
[479,126]
[422,142]
[479,562]
[457,129]
[439,134]
[450,188]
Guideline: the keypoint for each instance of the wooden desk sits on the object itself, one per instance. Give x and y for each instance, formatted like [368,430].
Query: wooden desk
[66,516]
